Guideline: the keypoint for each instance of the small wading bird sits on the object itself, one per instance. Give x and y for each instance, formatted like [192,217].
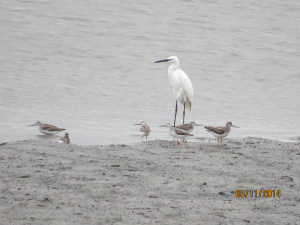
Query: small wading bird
[220,132]
[176,133]
[145,129]
[65,139]
[188,128]
[47,128]
[180,84]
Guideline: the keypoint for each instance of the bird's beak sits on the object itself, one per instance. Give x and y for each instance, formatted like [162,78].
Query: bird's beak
[198,125]
[162,125]
[164,60]
[32,125]
[234,126]
[137,124]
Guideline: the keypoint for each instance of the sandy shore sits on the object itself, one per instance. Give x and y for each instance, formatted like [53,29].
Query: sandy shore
[153,182]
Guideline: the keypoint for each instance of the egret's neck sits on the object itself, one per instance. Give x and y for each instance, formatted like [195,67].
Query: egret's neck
[173,67]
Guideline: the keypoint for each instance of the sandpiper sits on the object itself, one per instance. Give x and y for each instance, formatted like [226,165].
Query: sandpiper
[65,139]
[220,132]
[47,128]
[188,128]
[145,129]
[176,132]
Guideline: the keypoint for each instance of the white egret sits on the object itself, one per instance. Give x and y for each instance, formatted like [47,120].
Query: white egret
[220,132]
[180,84]
[47,128]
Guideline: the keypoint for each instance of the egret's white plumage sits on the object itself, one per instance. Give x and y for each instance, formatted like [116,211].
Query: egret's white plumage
[180,84]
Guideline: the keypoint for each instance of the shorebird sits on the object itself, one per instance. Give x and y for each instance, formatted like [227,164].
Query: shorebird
[180,84]
[176,133]
[188,128]
[47,128]
[145,129]
[220,132]
[65,139]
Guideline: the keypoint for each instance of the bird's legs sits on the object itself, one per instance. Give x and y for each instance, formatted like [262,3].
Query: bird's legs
[183,112]
[218,141]
[175,113]
[177,143]
[221,142]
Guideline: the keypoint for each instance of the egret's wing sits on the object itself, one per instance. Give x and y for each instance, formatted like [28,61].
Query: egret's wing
[188,87]
[216,130]
[175,82]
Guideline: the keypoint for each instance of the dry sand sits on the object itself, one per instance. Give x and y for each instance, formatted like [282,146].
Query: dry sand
[152,182]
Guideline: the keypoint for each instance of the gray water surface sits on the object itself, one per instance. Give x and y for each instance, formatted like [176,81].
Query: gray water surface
[88,66]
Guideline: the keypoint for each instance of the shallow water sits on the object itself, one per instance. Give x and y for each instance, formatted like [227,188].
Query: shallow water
[89,67]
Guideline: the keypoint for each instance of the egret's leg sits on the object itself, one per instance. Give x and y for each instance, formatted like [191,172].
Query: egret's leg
[183,111]
[175,113]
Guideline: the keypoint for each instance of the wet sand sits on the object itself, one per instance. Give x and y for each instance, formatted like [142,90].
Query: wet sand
[153,182]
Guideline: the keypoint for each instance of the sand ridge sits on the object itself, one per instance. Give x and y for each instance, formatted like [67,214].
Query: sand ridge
[152,182]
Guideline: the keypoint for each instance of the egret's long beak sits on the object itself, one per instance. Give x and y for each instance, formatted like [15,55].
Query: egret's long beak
[162,125]
[234,126]
[138,124]
[31,125]
[164,60]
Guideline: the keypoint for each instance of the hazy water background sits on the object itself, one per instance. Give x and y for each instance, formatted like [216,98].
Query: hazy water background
[88,66]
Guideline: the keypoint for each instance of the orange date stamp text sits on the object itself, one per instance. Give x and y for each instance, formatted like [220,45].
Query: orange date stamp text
[257,193]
